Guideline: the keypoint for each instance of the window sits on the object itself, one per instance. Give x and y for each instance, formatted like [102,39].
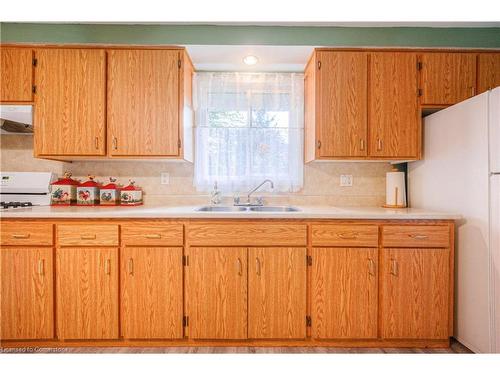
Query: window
[249,127]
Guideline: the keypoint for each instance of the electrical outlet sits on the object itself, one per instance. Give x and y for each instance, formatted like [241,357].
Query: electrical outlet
[346,180]
[164,178]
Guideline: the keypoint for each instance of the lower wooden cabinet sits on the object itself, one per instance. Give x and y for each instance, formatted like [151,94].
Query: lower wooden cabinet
[216,292]
[27,304]
[87,293]
[151,292]
[415,293]
[277,293]
[344,291]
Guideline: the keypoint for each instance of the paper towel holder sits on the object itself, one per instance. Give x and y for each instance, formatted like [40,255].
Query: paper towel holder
[396,195]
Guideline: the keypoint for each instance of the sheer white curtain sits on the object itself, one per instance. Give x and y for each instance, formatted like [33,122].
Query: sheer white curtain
[248,127]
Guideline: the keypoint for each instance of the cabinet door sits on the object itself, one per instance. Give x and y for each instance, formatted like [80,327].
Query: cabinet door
[447,78]
[415,293]
[16,67]
[87,293]
[27,306]
[394,117]
[70,102]
[217,293]
[489,71]
[143,102]
[151,290]
[277,293]
[344,293]
[342,82]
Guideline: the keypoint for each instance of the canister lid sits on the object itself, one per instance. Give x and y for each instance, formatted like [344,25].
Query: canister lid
[66,180]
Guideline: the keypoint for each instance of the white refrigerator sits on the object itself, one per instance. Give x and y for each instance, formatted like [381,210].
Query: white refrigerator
[460,173]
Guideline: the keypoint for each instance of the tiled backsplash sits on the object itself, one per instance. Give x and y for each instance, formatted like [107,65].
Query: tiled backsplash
[321,179]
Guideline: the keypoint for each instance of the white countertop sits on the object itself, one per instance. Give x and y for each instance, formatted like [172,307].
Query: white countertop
[163,211]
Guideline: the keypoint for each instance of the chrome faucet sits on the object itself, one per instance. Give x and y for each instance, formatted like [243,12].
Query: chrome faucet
[259,200]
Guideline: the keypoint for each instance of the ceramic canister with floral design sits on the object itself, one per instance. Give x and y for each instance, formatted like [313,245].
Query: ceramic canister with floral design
[63,191]
[88,193]
[110,193]
[131,195]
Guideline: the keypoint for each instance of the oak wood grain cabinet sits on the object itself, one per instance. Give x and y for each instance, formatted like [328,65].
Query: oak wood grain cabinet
[216,292]
[87,293]
[144,102]
[394,117]
[338,82]
[277,293]
[151,292]
[27,298]
[488,71]
[16,67]
[70,102]
[447,77]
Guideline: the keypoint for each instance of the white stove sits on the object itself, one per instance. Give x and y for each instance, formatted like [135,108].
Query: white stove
[25,189]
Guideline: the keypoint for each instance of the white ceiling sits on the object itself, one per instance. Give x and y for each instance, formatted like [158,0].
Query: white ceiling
[230,58]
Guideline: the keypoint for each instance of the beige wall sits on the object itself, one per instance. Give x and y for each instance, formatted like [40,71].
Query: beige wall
[321,179]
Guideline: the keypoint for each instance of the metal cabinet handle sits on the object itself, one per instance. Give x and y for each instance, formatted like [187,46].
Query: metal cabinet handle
[115,143]
[240,267]
[107,267]
[394,267]
[153,236]
[97,143]
[371,267]
[418,236]
[473,91]
[88,236]
[41,267]
[131,266]
[21,236]
[348,235]
[257,266]
[379,144]
[362,145]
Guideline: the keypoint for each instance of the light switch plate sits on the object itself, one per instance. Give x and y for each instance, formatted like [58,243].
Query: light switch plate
[164,178]
[346,180]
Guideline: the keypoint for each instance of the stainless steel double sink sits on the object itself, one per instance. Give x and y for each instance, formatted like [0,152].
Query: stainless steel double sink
[247,209]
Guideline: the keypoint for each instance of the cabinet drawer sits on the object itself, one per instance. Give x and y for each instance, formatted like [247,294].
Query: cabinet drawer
[152,234]
[345,235]
[87,235]
[26,234]
[416,236]
[245,234]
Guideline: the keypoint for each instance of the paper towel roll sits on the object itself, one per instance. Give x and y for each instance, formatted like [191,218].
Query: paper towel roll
[395,192]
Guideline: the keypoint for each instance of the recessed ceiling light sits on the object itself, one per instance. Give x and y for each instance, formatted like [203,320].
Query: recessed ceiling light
[250,60]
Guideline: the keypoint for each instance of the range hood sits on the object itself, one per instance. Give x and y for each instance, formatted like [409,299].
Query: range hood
[16,119]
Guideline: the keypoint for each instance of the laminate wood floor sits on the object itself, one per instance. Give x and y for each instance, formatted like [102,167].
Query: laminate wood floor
[455,348]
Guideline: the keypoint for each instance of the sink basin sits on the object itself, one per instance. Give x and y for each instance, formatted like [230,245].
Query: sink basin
[274,209]
[220,209]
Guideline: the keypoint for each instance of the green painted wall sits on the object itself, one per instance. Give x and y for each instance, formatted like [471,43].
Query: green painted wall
[263,35]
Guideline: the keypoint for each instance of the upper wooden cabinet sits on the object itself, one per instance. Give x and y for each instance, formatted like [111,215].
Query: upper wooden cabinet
[16,67]
[143,102]
[394,117]
[340,82]
[27,296]
[447,77]
[70,102]
[488,71]
[277,293]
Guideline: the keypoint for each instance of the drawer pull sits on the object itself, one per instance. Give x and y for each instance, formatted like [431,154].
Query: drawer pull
[41,267]
[418,236]
[348,236]
[21,236]
[240,267]
[394,267]
[107,267]
[371,267]
[131,266]
[257,266]
[88,236]
[153,236]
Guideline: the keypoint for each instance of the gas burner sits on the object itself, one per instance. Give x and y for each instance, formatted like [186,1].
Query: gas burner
[6,205]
